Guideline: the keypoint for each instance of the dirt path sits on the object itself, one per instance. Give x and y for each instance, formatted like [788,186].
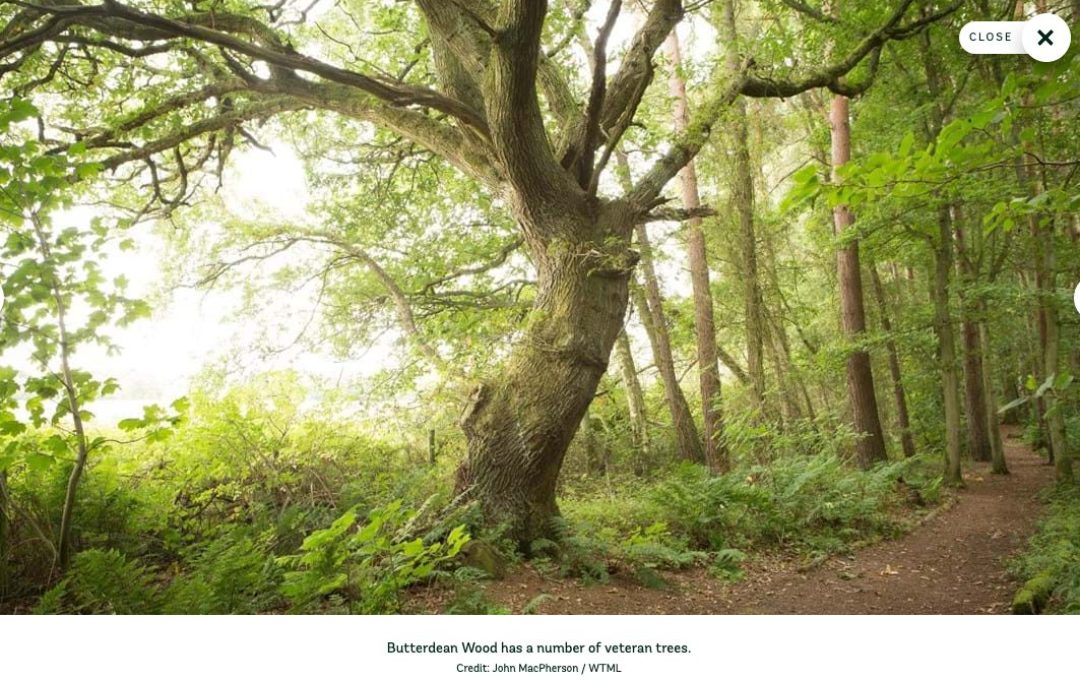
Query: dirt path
[954,563]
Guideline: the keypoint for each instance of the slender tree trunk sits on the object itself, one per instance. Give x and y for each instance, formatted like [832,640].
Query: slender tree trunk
[786,380]
[716,455]
[1055,419]
[940,288]
[67,381]
[1037,341]
[997,447]
[950,382]
[650,306]
[635,398]
[907,441]
[688,445]
[1040,320]
[860,377]
[742,190]
[791,386]
[978,434]
[778,331]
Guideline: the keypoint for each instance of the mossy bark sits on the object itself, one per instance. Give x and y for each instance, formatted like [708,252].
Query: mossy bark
[742,196]
[943,327]
[635,398]
[1033,595]
[903,420]
[978,427]
[520,422]
[997,448]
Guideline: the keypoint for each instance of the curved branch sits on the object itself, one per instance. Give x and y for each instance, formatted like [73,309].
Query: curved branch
[686,146]
[268,49]
[831,76]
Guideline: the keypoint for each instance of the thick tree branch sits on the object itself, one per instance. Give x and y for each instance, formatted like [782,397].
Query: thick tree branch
[584,169]
[268,49]
[636,70]
[831,76]
[448,142]
[260,109]
[624,91]
[513,110]
[686,146]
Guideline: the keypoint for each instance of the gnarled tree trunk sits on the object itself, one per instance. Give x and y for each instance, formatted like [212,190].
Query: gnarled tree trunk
[519,424]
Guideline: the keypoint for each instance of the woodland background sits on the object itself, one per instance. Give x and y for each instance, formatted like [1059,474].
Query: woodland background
[640,287]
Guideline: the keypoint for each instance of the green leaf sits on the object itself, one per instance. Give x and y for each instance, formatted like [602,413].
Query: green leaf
[1047,384]
[57,445]
[1013,404]
[131,424]
[39,462]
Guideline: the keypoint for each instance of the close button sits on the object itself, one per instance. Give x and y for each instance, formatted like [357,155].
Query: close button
[1046,37]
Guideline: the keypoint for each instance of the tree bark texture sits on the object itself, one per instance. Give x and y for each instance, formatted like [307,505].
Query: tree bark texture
[907,440]
[742,191]
[978,432]
[635,399]
[943,327]
[860,378]
[997,447]
[519,424]
[716,454]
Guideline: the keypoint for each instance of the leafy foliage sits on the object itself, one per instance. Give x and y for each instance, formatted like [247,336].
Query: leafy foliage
[372,565]
[1055,552]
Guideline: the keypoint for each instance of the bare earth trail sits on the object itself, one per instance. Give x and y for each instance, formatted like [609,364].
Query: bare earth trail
[954,563]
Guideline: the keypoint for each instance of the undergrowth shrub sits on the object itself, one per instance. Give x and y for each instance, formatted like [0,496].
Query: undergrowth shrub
[1054,551]
[812,504]
[469,597]
[253,505]
[102,582]
[364,570]
[233,574]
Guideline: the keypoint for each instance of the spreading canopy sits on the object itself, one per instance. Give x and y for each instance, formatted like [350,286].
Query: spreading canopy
[488,86]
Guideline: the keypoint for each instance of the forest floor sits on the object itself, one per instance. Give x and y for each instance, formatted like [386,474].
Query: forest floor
[952,563]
